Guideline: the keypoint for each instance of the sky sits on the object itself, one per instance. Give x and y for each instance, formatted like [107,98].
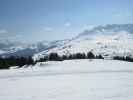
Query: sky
[37,20]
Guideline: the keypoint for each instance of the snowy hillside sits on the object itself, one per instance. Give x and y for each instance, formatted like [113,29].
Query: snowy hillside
[69,80]
[15,48]
[108,40]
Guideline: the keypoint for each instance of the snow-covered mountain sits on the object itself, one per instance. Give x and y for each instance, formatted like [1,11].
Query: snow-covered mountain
[15,48]
[107,40]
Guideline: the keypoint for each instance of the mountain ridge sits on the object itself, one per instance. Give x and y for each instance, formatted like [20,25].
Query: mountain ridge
[111,40]
[101,39]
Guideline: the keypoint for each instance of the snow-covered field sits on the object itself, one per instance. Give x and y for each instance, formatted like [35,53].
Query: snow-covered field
[69,80]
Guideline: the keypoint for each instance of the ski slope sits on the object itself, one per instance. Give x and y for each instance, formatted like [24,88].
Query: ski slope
[69,80]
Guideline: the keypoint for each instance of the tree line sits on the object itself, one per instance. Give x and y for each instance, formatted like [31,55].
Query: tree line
[56,57]
[6,63]
[123,58]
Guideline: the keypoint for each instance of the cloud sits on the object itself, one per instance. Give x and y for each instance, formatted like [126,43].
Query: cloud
[48,29]
[6,35]
[3,31]
[88,27]
[67,24]
[123,14]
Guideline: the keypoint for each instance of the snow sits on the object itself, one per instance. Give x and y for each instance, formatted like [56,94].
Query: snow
[69,80]
[111,44]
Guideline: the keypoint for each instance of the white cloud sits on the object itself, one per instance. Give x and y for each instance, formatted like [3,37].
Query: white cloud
[3,31]
[88,27]
[123,14]
[48,29]
[67,24]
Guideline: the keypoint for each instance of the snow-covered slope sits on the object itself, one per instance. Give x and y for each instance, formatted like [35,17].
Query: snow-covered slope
[108,40]
[69,80]
[9,48]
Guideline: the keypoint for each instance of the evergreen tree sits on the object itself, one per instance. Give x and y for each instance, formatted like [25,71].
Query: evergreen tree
[54,57]
[80,56]
[64,57]
[99,57]
[90,55]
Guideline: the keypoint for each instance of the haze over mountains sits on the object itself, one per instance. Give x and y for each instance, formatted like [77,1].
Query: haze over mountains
[108,40]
